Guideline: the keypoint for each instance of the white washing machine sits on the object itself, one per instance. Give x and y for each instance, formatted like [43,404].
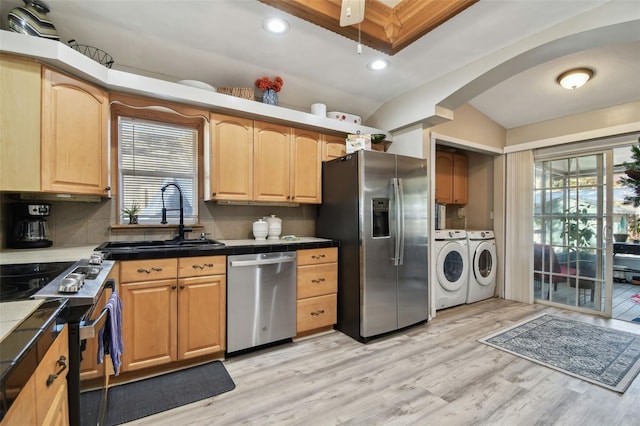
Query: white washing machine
[484,264]
[452,267]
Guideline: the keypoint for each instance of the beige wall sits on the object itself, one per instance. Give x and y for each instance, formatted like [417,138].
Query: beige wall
[573,126]
[471,125]
[79,223]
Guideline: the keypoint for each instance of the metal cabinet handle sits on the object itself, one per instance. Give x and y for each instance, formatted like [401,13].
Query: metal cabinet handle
[206,265]
[148,271]
[320,256]
[173,287]
[318,281]
[62,362]
[317,312]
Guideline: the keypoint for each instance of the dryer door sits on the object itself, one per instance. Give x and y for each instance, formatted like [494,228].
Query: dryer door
[452,264]
[484,263]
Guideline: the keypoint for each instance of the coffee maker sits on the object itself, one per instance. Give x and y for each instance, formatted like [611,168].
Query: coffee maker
[29,226]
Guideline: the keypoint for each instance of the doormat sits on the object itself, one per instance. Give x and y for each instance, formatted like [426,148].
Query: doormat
[143,398]
[600,355]
[635,298]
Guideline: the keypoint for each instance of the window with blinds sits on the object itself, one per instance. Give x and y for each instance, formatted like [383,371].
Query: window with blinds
[153,154]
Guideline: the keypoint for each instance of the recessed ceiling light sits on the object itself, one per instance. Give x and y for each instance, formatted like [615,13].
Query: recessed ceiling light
[378,64]
[275,25]
[575,78]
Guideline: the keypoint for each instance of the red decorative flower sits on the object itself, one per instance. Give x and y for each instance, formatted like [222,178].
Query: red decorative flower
[264,84]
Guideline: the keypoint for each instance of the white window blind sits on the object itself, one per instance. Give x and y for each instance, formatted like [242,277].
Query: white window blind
[151,155]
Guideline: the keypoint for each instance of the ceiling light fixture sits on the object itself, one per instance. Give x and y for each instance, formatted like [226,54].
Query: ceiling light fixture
[275,25]
[575,78]
[378,64]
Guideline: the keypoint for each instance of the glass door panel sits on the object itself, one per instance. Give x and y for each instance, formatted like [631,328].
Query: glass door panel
[569,231]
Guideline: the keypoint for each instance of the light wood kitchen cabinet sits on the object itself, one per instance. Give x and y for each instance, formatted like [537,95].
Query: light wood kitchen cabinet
[231,158]
[451,178]
[201,305]
[178,314]
[272,156]
[43,400]
[74,135]
[317,288]
[20,87]
[333,147]
[306,167]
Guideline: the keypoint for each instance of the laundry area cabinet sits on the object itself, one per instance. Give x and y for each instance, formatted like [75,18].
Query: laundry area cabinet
[451,178]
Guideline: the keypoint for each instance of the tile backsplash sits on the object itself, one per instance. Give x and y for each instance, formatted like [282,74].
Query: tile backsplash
[79,223]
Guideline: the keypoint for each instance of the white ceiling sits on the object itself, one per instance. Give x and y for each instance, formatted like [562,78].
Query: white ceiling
[221,42]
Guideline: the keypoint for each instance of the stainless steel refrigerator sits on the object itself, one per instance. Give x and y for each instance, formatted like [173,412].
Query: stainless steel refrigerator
[376,204]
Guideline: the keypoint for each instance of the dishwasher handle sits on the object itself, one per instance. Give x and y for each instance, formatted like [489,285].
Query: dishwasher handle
[262,261]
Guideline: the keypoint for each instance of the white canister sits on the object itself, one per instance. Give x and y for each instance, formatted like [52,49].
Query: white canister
[275,227]
[319,109]
[260,229]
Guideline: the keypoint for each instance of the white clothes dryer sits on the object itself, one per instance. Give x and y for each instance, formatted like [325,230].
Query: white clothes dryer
[484,265]
[452,267]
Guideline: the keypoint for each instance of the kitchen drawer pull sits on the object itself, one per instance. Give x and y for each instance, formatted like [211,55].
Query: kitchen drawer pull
[318,281]
[62,362]
[206,265]
[320,256]
[317,312]
[148,271]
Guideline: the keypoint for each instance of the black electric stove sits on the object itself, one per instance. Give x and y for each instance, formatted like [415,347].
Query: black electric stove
[21,281]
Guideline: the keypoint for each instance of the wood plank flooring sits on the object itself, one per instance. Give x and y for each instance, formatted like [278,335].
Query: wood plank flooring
[621,305]
[431,374]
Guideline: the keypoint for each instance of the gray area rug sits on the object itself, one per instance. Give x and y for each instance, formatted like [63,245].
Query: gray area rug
[143,398]
[609,358]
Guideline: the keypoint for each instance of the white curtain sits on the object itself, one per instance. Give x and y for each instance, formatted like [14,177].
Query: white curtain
[518,260]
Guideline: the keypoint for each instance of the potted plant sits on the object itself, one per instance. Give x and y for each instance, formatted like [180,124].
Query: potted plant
[632,180]
[132,212]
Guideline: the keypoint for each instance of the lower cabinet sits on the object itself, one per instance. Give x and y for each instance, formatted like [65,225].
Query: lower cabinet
[317,287]
[43,401]
[179,315]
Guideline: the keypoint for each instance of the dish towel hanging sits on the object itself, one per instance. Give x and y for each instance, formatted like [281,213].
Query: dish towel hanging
[110,336]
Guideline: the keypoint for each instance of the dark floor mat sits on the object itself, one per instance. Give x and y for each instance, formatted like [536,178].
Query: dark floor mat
[150,396]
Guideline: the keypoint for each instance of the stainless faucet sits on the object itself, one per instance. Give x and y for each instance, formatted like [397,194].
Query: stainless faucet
[181,228]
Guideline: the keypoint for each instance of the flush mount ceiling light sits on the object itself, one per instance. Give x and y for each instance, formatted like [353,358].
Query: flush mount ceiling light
[575,78]
[275,25]
[378,64]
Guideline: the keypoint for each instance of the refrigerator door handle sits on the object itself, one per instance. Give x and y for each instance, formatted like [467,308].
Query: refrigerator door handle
[400,202]
[396,205]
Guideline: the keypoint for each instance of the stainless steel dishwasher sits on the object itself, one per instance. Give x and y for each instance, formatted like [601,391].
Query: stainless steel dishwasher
[261,299]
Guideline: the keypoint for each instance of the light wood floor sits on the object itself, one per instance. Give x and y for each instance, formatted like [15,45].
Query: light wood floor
[431,374]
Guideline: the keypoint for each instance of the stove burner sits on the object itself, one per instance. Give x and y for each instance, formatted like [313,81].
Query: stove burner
[21,281]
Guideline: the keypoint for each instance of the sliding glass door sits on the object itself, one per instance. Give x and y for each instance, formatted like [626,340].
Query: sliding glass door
[571,228]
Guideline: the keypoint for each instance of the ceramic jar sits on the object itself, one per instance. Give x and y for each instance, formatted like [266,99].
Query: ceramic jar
[31,19]
[270,97]
[275,227]
[260,229]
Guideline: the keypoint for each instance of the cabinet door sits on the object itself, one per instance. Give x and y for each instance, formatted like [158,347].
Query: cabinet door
[20,84]
[150,322]
[74,135]
[444,177]
[459,179]
[57,413]
[231,158]
[316,312]
[23,410]
[306,167]
[51,397]
[201,316]
[271,149]
[333,147]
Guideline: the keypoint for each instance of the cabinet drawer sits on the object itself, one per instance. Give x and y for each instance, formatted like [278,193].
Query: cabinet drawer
[316,280]
[315,256]
[150,269]
[201,266]
[316,312]
[51,365]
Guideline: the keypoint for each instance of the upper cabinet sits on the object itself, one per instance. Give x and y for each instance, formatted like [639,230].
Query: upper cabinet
[231,158]
[258,161]
[74,135]
[54,131]
[451,178]
[333,147]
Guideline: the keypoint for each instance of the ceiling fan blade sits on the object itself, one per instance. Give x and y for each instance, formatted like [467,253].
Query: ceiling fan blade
[352,12]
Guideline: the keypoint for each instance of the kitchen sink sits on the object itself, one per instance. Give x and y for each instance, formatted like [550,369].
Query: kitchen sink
[159,244]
